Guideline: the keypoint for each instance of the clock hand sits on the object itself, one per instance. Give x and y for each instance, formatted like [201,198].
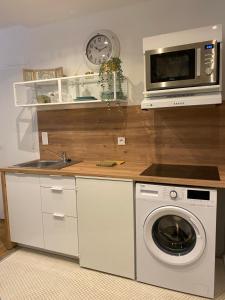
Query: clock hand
[102,48]
[97,49]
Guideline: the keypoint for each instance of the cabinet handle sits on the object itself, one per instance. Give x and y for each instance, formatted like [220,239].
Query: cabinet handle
[198,67]
[57,188]
[58,216]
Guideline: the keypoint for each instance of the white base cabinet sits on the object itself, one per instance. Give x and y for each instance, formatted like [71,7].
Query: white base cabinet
[48,212]
[24,206]
[106,225]
[43,212]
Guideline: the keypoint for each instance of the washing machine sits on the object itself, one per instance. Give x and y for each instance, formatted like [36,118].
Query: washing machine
[176,237]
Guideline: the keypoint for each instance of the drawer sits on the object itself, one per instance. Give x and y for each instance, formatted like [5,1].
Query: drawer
[58,181]
[60,234]
[58,200]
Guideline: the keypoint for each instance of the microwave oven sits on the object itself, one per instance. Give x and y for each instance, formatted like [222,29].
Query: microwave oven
[183,66]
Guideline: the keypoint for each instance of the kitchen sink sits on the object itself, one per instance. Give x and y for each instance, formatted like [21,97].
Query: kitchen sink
[47,164]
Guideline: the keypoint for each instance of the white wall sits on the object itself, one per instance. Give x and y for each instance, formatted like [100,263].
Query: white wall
[61,44]
[18,139]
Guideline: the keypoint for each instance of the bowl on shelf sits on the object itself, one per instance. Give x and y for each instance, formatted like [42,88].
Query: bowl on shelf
[43,99]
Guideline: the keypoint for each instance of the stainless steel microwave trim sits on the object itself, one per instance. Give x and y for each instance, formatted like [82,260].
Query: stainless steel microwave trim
[201,76]
[189,91]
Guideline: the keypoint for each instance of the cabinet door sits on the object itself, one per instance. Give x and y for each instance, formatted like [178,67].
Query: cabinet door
[106,225]
[24,205]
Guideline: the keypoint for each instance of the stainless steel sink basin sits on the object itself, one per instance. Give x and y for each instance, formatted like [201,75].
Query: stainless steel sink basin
[47,164]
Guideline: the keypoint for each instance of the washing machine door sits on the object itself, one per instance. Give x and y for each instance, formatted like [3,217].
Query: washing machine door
[174,235]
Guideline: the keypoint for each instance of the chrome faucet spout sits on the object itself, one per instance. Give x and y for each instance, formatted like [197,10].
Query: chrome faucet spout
[64,156]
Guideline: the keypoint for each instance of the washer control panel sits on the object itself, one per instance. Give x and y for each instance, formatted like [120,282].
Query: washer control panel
[169,194]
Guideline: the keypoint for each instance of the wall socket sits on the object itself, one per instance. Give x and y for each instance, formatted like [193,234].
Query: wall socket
[44,138]
[121,140]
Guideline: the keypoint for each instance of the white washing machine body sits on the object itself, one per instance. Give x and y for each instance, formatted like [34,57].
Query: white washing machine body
[176,237]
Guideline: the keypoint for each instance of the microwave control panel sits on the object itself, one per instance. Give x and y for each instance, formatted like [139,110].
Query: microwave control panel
[209,58]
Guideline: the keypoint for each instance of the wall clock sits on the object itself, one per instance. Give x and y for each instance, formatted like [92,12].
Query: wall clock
[101,46]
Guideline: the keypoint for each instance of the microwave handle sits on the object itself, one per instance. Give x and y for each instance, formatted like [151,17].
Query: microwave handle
[198,62]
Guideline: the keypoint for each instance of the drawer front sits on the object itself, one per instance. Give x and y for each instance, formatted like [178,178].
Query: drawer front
[58,182]
[60,234]
[59,200]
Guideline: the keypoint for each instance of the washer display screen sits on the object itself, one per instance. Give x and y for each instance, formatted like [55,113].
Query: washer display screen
[198,195]
[174,235]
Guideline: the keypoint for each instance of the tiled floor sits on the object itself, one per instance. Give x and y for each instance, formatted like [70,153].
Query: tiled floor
[32,275]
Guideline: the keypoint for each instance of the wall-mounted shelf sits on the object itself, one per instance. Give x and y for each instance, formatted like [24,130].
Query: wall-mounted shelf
[80,89]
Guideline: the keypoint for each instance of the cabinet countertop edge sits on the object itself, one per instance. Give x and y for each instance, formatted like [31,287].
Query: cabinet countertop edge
[129,170]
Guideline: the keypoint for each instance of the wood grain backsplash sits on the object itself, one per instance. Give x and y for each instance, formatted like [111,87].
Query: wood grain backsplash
[192,135]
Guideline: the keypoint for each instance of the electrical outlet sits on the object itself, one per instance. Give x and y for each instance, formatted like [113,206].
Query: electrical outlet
[121,140]
[44,137]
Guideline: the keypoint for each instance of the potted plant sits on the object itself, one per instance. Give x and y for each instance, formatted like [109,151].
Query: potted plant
[106,79]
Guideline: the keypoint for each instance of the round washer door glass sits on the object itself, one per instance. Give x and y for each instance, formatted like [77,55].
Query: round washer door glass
[174,235]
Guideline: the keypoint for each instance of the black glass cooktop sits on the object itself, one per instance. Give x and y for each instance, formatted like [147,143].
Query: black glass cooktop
[182,171]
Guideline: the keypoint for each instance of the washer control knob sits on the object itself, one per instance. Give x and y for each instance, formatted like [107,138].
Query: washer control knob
[208,71]
[173,194]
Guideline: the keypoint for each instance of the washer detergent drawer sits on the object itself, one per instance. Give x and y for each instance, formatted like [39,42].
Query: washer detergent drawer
[149,191]
[58,200]
[60,233]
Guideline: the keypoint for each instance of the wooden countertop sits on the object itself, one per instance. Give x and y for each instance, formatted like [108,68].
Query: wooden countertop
[127,170]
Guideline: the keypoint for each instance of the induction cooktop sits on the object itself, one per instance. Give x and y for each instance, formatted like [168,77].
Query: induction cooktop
[183,171]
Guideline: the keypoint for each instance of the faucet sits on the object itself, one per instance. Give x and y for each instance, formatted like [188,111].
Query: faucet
[63,155]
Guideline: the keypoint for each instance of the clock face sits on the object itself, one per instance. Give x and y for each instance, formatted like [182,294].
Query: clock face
[99,49]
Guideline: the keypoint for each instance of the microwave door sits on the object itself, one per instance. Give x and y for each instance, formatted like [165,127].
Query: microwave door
[173,69]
